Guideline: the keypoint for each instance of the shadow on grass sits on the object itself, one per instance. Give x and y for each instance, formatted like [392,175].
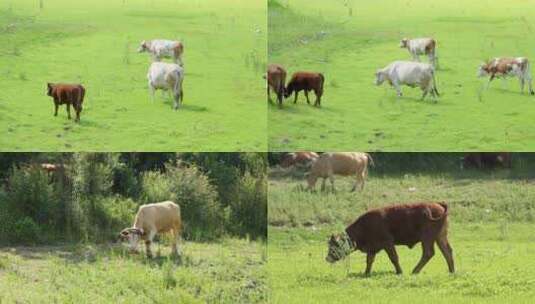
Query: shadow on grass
[373,275]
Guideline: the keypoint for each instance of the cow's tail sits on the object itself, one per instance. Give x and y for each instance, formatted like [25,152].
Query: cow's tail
[178,85]
[443,216]
[434,82]
[370,159]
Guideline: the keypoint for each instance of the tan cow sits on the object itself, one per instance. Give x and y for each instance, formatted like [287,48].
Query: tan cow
[340,163]
[276,78]
[152,219]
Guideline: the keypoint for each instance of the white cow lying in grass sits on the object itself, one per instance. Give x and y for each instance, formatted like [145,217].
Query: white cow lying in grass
[409,73]
[163,48]
[167,77]
[152,219]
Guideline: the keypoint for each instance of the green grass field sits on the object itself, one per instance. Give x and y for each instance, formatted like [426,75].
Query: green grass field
[492,218]
[230,271]
[95,43]
[349,40]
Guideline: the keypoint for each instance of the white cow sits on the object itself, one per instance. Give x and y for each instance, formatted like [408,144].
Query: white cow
[167,77]
[508,67]
[163,48]
[152,219]
[409,73]
[421,46]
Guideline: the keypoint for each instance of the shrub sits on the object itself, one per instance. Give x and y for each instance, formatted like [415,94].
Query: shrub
[26,231]
[248,212]
[155,187]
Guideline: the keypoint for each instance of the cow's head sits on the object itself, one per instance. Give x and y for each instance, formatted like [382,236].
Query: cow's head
[133,236]
[143,47]
[404,43]
[339,247]
[379,77]
[483,70]
[288,90]
[49,88]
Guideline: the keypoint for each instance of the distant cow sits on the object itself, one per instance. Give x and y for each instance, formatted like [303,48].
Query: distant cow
[508,67]
[298,158]
[421,46]
[306,81]
[340,163]
[412,74]
[152,219]
[384,228]
[487,160]
[68,94]
[276,79]
[163,48]
[167,77]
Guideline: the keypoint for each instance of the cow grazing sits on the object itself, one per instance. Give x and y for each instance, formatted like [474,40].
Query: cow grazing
[487,160]
[409,73]
[167,77]
[340,163]
[306,81]
[384,228]
[152,219]
[163,49]
[421,46]
[508,67]
[298,158]
[276,79]
[68,94]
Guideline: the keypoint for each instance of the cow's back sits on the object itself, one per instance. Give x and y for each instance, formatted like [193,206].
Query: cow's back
[163,215]
[346,163]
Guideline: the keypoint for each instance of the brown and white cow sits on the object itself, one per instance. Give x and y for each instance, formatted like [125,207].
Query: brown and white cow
[306,81]
[152,219]
[340,163]
[276,80]
[421,46]
[68,94]
[298,158]
[384,228]
[160,48]
[508,67]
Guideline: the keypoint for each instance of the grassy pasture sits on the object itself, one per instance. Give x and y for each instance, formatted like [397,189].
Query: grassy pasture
[95,43]
[349,40]
[230,271]
[492,216]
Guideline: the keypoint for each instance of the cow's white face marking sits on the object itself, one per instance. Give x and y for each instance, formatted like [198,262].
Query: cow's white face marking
[379,78]
[481,72]
[133,240]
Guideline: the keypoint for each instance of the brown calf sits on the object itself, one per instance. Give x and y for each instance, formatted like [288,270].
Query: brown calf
[276,78]
[306,81]
[384,228]
[69,94]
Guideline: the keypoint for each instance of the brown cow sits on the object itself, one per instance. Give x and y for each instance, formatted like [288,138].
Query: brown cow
[69,94]
[276,78]
[340,163]
[487,160]
[298,158]
[507,66]
[384,228]
[306,81]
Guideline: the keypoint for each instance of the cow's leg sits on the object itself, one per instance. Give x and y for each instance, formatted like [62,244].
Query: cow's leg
[56,106]
[174,246]
[425,90]
[69,110]
[295,99]
[269,93]
[279,97]
[331,179]
[151,90]
[393,255]
[318,98]
[323,183]
[397,87]
[370,257]
[530,85]
[447,252]
[148,242]
[306,95]
[490,79]
[428,251]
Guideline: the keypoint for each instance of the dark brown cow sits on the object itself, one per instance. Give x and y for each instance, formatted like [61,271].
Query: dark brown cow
[487,160]
[306,81]
[276,78]
[298,158]
[69,94]
[384,228]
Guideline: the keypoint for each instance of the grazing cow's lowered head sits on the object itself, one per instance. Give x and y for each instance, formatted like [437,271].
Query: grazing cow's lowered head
[484,69]
[133,236]
[380,77]
[340,246]
[404,43]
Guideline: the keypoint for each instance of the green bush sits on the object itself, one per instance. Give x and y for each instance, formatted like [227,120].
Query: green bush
[248,212]
[155,187]
[26,230]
